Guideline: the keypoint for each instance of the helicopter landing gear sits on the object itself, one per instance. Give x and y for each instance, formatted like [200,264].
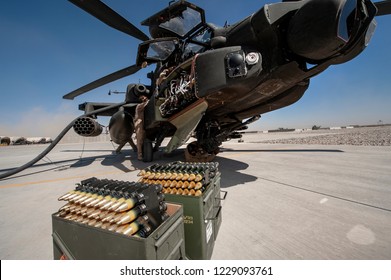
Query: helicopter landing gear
[195,153]
[147,151]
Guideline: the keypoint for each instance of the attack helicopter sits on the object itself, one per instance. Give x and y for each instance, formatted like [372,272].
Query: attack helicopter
[211,82]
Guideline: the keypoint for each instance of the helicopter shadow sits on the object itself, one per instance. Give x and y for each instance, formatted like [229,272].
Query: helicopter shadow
[82,162]
[232,172]
[126,160]
[282,150]
[59,165]
[121,159]
[112,158]
[84,151]
[230,169]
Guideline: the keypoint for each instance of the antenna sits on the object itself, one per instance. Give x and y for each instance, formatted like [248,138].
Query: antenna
[115,92]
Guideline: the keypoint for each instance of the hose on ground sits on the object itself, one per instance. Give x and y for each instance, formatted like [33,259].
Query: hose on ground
[56,140]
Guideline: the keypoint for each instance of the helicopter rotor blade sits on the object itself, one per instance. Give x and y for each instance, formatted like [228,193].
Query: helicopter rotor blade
[104,13]
[102,81]
[383,8]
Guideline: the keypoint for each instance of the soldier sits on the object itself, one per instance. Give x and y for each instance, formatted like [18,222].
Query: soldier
[139,125]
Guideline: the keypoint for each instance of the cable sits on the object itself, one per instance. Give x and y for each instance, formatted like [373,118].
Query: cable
[55,141]
[82,151]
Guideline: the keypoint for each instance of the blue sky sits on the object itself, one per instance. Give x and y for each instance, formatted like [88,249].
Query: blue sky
[48,48]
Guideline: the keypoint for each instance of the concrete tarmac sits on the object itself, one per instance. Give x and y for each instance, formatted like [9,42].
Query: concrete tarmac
[284,201]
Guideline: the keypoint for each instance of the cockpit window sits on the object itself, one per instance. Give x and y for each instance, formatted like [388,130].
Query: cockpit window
[160,50]
[184,23]
[180,19]
[346,19]
[203,36]
[192,49]
[198,43]
[153,51]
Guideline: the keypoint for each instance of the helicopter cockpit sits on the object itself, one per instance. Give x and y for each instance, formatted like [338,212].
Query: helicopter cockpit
[181,26]
[179,33]
[179,19]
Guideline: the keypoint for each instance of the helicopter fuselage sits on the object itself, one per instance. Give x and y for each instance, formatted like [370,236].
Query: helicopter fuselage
[258,65]
[211,82]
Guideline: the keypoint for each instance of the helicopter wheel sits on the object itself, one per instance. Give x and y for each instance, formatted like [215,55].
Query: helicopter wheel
[195,153]
[147,151]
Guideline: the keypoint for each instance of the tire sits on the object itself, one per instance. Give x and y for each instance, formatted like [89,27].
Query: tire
[147,151]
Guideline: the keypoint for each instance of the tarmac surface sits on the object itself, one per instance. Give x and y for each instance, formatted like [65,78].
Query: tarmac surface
[284,201]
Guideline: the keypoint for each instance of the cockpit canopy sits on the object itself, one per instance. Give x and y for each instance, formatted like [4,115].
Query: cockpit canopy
[156,50]
[180,19]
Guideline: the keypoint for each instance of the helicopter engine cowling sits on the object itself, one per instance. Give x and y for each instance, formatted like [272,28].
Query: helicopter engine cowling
[87,127]
[321,29]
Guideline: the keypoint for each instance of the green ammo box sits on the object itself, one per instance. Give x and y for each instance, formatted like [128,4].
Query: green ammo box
[202,219]
[72,240]
[217,205]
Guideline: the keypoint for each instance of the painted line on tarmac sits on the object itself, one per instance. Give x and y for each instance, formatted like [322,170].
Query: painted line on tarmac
[326,194]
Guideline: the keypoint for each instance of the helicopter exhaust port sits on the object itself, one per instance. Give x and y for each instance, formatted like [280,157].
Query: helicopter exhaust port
[323,29]
[87,127]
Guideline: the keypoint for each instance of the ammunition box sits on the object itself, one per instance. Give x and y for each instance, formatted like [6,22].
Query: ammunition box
[217,205]
[202,219]
[72,240]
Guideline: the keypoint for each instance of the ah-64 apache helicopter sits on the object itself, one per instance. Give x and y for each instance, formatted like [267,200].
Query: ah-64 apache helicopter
[211,82]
